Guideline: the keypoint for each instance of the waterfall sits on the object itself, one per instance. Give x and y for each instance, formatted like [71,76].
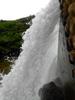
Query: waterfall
[37,63]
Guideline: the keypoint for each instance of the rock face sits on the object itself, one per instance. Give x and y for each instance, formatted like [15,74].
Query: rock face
[51,92]
[69,90]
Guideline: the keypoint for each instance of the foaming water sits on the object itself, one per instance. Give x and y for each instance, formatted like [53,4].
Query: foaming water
[39,51]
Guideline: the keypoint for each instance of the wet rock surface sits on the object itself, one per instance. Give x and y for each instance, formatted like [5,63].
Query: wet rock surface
[69,90]
[51,92]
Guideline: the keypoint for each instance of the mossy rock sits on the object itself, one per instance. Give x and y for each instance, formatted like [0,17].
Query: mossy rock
[5,66]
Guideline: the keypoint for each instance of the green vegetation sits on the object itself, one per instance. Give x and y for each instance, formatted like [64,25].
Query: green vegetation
[11,40]
[11,36]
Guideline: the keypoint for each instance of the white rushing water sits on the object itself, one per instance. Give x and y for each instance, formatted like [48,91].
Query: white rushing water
[37,63]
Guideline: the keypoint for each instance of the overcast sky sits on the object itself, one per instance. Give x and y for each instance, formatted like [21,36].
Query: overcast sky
[13,9]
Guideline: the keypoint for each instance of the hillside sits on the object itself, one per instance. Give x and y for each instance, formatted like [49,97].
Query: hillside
[11,36]
[11,33]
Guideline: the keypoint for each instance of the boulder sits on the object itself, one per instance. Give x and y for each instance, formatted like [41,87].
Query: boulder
[51,92]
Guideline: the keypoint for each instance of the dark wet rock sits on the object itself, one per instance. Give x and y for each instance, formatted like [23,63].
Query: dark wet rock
[51,92]
[69,90]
